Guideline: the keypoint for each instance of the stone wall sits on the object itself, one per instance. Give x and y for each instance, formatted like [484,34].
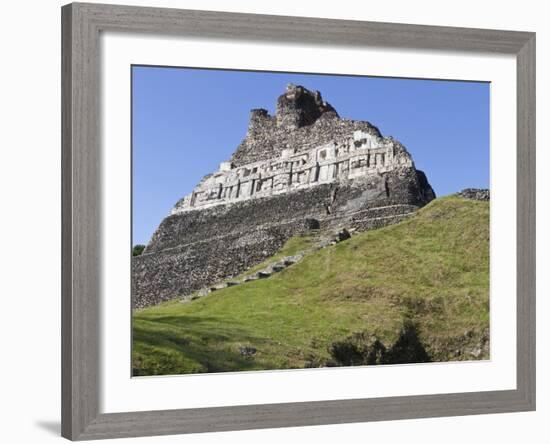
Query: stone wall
[178,271]
[406,186]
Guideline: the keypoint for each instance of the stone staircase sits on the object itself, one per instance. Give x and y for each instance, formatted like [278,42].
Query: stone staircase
[324,240]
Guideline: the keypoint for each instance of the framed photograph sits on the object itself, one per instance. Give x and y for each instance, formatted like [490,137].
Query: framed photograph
[278,221]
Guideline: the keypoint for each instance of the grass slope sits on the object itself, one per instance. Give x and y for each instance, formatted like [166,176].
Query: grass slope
[430,272]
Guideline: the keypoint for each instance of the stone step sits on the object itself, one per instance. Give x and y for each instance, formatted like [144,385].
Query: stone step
[231,283]
[291,260]
[340,235]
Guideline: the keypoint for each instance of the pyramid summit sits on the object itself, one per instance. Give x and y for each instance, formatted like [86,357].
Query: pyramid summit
[303,168]
[302,119]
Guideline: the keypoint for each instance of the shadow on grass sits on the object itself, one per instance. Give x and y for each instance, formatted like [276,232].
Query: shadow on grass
[364,349]
[189,344]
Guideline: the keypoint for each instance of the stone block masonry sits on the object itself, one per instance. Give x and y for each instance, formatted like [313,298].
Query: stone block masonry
[304,168]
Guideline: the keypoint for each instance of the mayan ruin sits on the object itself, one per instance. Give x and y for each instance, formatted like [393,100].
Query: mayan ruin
[305,168]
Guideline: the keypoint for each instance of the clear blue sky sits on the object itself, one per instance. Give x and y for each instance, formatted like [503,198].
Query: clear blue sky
[187,121]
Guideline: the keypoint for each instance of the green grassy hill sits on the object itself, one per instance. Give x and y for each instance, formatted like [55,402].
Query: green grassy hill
[416,291]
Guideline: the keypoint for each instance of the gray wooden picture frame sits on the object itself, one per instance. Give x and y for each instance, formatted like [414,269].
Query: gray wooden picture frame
[81,172]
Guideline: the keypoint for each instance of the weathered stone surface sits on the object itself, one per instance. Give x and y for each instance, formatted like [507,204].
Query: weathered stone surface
[301,170]
[278,267]
[343,234]
[290,260]
[353,157]
[475,194]
[303,120]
